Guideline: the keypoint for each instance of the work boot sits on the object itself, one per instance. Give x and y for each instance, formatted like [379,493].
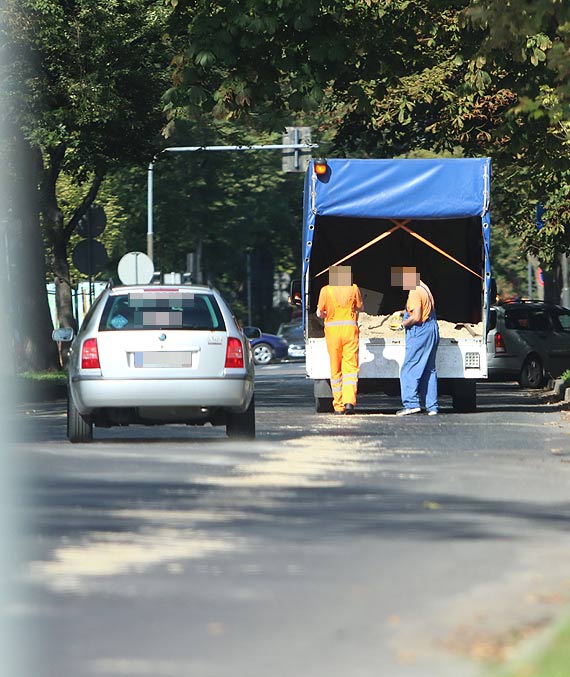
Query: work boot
[349,408]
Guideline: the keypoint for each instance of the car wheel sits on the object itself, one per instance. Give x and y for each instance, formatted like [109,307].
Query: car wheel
[79,429]
[532,373]
[242,426]
[262,353]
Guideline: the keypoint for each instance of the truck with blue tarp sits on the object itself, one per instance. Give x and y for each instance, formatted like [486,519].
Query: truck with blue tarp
[374,214]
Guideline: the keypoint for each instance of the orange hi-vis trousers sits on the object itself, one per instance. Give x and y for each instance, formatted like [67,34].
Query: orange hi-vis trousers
[342,344]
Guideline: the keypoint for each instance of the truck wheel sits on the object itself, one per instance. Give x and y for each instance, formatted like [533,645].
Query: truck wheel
[242,426]
[532,373]
[324,405]
[79,429]
[464,396]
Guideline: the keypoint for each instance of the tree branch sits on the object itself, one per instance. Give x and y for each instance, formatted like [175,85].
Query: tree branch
[84,205]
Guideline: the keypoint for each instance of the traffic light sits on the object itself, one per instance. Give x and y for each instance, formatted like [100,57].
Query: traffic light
[296,159]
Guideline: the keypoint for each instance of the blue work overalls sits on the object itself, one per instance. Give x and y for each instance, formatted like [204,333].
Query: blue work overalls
[418,377]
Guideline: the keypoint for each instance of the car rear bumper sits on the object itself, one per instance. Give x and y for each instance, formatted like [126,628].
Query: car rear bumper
[503,367]
[90,394]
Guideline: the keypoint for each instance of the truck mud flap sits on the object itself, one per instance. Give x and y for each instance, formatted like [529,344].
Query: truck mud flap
[464,395]
[323,396]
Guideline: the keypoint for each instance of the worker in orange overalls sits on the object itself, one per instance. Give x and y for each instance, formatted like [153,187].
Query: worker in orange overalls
[339,304]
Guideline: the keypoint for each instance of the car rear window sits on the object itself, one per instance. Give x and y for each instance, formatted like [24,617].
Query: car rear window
[528,319]
[161,310]
[564,321]
[516,318]
[292,333]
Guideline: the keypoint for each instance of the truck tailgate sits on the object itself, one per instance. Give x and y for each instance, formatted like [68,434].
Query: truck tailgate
[382,358]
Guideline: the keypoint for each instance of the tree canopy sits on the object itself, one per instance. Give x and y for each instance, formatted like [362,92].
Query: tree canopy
[390,77]
[90,86]
[84,81]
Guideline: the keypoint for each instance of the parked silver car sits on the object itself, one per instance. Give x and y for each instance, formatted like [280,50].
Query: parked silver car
[156,355]
[527,342]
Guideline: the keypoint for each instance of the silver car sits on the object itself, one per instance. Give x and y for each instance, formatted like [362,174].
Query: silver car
[292,332]
[528,341]
[156,355]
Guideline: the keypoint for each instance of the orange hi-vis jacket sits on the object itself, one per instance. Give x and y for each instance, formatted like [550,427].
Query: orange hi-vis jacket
[340,305]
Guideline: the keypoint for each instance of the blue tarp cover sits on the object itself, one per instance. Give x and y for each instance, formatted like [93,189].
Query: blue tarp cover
[438,188]
[415,189]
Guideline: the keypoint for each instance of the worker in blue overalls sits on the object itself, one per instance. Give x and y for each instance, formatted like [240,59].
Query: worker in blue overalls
[418,376]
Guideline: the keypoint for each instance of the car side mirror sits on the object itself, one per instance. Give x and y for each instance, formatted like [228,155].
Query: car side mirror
[252,332]
[295,298]
[63,334]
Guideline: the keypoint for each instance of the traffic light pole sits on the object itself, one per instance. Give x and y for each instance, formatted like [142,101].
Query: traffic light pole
[194,149]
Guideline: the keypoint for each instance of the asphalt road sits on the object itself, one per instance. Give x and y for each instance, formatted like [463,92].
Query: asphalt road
[330,546]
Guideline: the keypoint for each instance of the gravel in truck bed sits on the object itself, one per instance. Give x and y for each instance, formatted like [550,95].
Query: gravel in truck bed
[378,326]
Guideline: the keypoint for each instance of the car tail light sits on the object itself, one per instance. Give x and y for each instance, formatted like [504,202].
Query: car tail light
[499,344]
[234,354]
[90,355]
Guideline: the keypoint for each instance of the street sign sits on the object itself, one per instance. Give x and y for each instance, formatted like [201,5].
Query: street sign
[539,214]
[135,268]
[93,223]
[89,256]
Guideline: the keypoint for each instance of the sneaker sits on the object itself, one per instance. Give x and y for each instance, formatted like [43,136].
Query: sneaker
[432,412]
[407,412]
[349,408]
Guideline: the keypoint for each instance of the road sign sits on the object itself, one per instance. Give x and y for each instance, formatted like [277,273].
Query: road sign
[135,268]
[89,256]
[93,223]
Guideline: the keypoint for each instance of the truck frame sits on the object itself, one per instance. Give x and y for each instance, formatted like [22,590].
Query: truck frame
[432,214]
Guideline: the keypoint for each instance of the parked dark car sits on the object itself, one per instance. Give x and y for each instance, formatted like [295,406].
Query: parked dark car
[292,332]
[528,342]
[266,348]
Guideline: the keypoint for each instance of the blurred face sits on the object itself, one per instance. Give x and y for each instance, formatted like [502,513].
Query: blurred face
[340,276]
[406,277]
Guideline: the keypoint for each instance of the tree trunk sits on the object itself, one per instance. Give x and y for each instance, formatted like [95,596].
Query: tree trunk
[59,234]
[63,291]
[31,323]
[552,283]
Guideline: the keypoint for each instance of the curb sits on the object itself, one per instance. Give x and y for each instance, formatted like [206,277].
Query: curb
[559,389]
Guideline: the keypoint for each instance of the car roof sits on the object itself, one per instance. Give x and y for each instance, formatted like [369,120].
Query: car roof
[534,305]
[161,288]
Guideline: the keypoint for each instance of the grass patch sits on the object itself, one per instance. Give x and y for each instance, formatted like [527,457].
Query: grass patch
[48,377]
[553,660]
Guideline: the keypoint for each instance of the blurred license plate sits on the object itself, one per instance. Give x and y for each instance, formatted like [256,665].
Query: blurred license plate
[180,359]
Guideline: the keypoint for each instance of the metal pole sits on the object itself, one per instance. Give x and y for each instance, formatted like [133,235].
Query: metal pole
[529,277]
[186,149]
[149,233]
[89,256]
[248,275]
[565,297]
[276,146]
